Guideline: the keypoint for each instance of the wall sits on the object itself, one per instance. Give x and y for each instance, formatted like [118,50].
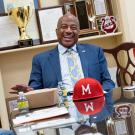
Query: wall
[127,17]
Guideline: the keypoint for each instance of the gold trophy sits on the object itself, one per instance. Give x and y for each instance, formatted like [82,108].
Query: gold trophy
[21,16]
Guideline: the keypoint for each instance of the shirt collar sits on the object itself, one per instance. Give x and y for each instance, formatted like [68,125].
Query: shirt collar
[63,49]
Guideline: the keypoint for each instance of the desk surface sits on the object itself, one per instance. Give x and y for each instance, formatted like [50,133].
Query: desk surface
[89,116]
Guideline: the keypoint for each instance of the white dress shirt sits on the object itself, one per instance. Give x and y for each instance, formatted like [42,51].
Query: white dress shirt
[66,79]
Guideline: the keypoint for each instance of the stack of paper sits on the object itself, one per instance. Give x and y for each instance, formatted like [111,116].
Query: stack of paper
[40,115]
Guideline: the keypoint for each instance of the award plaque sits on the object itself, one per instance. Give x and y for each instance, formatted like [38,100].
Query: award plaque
[21,16]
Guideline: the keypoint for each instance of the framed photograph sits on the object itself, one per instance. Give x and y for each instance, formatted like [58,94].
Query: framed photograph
[47,19]
[100,7]
[82,14]
[9,33]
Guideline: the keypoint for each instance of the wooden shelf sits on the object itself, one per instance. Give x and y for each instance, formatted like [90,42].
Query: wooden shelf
[54,44]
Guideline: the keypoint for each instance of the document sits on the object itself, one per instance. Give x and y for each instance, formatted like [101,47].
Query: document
[48,19]
[100,7]
[9,33]
[54,123]
[40,115]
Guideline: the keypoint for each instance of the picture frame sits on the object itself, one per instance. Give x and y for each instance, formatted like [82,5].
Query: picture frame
[88,27]
[47,19]
[100,7]
[79,7]
[69,7]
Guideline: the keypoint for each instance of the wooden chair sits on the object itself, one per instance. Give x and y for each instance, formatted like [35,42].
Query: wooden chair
[124,55]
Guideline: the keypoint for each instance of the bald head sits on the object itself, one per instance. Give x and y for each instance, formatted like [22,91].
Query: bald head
[69,16]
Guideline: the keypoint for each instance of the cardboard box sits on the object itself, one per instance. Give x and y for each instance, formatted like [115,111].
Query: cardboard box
[37,98]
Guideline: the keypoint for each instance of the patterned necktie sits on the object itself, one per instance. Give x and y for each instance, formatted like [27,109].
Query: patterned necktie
[74,71]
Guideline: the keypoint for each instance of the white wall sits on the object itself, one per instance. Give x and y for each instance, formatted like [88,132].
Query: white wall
[127,16]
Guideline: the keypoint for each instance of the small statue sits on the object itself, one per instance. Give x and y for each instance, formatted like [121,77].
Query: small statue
[92,20]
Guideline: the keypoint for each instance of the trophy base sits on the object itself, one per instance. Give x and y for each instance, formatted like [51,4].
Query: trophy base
[25,43]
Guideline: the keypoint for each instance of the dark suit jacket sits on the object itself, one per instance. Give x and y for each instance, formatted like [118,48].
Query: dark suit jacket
[46,72]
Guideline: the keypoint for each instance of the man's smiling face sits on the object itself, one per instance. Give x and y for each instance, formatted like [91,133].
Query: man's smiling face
[67,30]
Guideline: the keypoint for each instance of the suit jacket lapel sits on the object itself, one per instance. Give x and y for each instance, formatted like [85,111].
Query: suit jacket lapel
[82,53]
[55,62]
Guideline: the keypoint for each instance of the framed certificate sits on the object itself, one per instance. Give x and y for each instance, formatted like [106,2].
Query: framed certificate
[100,7]
[47,19]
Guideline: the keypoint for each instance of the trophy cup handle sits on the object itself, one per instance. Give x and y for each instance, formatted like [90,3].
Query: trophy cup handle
[31,11]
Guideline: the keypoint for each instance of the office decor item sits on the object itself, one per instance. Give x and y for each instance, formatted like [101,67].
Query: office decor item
[69,7]
[84,11]
[108,24]
[47,19]
[123,111]
[100,7]
[82,14]
[21,16]
[122,120]
[91,15]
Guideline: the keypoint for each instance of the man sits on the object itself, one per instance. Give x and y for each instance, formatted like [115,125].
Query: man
[51,67]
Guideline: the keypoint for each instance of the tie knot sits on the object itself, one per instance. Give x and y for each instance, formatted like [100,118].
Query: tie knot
[69,51]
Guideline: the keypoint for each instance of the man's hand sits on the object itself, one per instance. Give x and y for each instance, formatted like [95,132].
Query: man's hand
[20,87]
